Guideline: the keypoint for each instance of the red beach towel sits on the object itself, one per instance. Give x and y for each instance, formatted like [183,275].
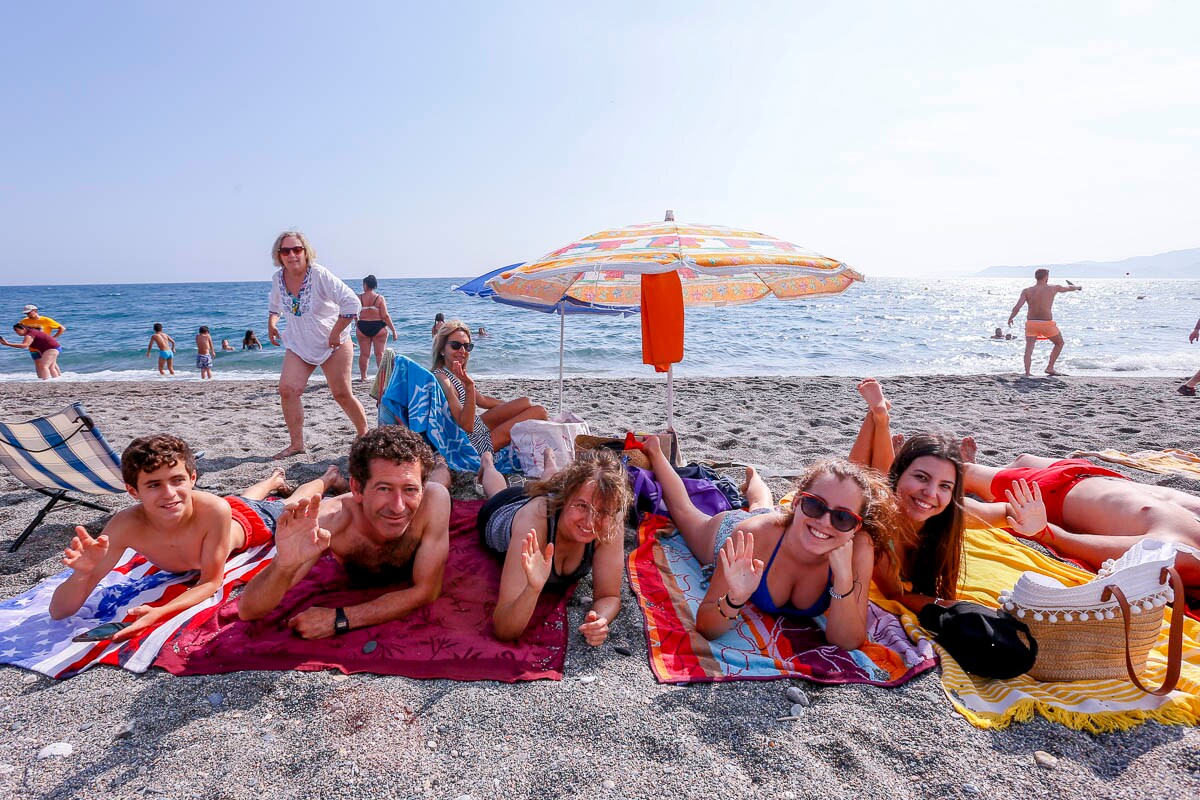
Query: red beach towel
[449,638]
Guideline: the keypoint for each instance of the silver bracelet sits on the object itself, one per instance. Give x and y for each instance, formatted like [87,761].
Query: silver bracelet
[837,596]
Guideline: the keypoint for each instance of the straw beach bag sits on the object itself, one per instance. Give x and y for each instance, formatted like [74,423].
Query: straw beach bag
[1104,628]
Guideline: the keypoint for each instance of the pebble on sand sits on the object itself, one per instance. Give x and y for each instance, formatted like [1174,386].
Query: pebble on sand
[59,749]
[796,695]
[1044,759]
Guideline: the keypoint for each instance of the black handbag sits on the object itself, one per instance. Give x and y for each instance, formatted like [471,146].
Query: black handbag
[984,641]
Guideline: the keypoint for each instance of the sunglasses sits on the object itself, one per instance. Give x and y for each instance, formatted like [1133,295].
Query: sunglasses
[293,251]
[468,346]
[842,520]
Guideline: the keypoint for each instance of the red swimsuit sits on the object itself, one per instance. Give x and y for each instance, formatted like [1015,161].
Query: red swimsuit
[1055,481]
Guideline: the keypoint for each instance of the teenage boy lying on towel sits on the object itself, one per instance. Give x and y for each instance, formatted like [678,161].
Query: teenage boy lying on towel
[175,526]
[393,526]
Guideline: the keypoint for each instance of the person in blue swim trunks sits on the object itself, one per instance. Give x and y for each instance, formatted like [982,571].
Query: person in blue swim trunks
[166,349]
[815,559]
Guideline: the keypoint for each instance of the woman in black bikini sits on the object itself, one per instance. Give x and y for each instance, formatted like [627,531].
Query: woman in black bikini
[371,323]
[551,532]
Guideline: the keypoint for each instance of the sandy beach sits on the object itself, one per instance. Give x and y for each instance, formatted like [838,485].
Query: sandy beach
[301,735]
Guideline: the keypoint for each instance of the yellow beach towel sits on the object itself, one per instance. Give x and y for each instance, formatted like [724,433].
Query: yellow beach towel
[992,562]
[1162,462]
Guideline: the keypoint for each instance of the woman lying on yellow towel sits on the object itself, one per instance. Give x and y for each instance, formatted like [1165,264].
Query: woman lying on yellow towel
[927,477]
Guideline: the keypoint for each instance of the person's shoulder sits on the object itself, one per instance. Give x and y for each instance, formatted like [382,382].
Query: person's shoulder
[125,522]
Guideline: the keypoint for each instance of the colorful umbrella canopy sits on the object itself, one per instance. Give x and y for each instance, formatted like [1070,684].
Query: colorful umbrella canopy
[478,287]
[717,266]
[663,267]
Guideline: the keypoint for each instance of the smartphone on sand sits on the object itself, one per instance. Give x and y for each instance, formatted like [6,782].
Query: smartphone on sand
[101,632]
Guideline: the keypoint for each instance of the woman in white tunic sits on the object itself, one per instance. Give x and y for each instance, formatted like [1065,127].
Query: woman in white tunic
[319,309]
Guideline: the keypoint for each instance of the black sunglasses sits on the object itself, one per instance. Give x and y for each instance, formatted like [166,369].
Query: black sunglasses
[468,346]
[295,251]
[814,507]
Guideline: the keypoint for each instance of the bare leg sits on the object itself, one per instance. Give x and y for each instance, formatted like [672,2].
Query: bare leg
[698,529]
[337,369]
[757,493]
[493,482]
[364,355]
[50,357]
[440,473]
[978,478]
[1030,341]
[267,486]
[292,380]
[379,343]
[495,417]
[502,433]
[873,447]
[1057,339]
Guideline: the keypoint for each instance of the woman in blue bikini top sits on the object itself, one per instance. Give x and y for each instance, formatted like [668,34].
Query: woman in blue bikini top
[813,560]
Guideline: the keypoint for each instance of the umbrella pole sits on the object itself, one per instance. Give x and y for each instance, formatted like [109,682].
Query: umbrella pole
[562,327]
[671,398]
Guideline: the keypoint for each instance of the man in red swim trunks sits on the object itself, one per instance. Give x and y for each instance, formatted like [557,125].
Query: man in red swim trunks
[1096,514]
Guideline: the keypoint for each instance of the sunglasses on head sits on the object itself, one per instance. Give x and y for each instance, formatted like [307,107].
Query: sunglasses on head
[468,346]
[293,251]
[842,520]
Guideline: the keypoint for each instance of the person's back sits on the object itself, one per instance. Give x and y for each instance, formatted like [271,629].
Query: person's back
[166,349]
[204,352]
[1039,321]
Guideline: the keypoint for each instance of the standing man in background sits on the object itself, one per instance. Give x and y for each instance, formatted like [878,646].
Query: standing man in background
[1039,322]
[36,321]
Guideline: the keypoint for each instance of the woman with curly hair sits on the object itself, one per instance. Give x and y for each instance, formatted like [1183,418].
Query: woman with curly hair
[552,532]
[814,559]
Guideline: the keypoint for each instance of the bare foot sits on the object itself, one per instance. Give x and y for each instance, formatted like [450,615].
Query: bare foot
[486,462]
[897,442]
[290,450]
[968,448]
[549,462]
[872,391]
[1055,374]
[749,477]
[334,481]
[277,484]
[440,472]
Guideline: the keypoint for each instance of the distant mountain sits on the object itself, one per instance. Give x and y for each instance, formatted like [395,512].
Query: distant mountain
[1175,264]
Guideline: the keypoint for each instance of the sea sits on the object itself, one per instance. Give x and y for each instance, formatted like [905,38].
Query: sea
[882,327]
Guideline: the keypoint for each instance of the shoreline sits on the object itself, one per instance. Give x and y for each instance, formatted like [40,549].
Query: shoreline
[291,734]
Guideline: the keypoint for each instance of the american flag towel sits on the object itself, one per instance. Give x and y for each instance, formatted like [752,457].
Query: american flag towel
[30,639]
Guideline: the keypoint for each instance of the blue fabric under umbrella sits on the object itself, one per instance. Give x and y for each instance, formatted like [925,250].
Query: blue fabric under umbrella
[477,287]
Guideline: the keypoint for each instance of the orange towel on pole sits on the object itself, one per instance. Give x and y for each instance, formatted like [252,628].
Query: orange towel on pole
[662,320]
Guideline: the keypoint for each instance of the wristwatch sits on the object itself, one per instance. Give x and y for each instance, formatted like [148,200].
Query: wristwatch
[341,623]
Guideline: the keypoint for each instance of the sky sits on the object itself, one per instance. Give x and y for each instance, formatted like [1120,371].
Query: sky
[155,141]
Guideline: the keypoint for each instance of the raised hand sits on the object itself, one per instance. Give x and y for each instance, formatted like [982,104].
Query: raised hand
[841,563]
[459,370]
[1028,512]
[299,537]
[651,446]
[84,553]
[741,569]
[537,564]
[594,629]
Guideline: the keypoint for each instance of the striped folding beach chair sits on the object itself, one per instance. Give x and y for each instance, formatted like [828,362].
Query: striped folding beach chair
[57,455]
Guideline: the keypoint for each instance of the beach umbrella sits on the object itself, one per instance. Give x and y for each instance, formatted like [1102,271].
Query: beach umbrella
[478,287]
[662,267]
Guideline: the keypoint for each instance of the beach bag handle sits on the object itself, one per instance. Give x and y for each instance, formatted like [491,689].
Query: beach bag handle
[1174,637]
